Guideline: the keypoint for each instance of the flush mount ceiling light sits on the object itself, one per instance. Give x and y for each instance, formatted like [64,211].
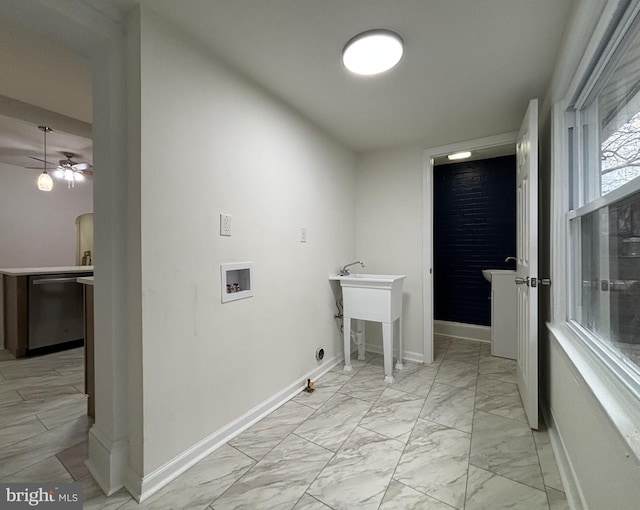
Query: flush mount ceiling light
[373,52]
[459,155]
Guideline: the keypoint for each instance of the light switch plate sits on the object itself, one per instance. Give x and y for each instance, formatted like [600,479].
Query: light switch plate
[303,235]
[225,224]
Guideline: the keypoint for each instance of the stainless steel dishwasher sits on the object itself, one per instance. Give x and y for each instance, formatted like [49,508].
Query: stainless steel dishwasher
[55,309]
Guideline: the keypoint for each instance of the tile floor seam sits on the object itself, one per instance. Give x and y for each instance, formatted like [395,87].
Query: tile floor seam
[403,452]
[350,434]
[544,481]
[508,418]
[320,472]
[475,399]
[425,494]
[255,463]
[240,451]
[301,403]
[323,468]
[313,442]
[400,458]
[64,466]
[312,496]
[355,398]
[546,493]
[510,479]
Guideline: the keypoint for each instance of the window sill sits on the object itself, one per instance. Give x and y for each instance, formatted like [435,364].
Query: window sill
[618,403]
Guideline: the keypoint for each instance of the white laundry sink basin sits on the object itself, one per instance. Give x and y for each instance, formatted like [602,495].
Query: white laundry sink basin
[488,273]
[368,278]
[373,297]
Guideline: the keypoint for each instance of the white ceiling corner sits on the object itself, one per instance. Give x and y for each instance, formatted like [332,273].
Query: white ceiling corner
[469,68]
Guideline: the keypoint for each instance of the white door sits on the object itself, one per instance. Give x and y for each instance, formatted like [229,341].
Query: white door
[527,254]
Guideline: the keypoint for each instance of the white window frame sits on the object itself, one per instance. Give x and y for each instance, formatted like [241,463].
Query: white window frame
[611,378]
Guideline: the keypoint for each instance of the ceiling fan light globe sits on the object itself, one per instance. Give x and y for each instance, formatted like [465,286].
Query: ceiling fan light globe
[68,174]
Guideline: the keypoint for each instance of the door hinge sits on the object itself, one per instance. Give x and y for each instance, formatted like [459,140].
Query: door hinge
[533,281]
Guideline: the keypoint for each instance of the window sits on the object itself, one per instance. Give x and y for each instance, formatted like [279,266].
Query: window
[604,222]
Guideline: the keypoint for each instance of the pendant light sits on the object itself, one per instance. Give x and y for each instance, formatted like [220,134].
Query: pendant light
[45,182]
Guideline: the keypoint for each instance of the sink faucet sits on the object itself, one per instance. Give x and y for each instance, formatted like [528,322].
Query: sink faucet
[345,270]
[511,258]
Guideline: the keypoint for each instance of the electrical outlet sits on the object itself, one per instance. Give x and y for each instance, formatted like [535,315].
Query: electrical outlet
[225,224]
[303,235]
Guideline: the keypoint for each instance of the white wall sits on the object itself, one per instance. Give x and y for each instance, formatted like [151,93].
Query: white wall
[212,142]
[389,231]
[38,228]
[601,470]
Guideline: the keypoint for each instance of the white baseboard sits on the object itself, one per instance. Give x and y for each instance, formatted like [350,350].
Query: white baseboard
[107,460]
[572,489]
[143,488]
[462,331]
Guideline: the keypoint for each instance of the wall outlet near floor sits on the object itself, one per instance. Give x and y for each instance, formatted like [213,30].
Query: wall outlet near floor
[225,224]
[303,235]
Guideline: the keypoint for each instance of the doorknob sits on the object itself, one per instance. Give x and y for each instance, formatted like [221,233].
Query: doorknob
[522,281]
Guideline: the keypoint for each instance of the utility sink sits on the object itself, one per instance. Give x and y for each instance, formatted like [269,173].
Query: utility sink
[368,278]
[372,297]
[488,273]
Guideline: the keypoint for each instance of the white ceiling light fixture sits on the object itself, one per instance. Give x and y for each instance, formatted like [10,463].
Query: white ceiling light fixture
[459,155]
[373,52]
[45,182]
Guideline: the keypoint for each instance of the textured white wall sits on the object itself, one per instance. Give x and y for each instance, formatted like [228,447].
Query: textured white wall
[389,230]
[214,142]
[38,228]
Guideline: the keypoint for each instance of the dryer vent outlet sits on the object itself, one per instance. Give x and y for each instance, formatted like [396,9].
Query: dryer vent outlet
[319,353]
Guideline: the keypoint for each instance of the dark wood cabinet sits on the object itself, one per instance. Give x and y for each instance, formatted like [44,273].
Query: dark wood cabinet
[89,356]
[16,314]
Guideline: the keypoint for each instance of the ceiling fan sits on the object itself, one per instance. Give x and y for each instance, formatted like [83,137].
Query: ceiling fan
[68,169]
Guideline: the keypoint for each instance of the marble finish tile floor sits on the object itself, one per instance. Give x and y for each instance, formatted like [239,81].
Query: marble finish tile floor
[450,435]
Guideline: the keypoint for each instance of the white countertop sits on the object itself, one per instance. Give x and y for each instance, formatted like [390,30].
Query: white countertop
[29,271]
[85,280]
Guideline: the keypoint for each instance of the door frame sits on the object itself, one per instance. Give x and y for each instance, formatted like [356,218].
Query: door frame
[427,223]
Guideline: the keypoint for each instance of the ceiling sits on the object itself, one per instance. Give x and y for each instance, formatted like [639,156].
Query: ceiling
[469,69]
[20,139]
[39,72]
[47,85]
